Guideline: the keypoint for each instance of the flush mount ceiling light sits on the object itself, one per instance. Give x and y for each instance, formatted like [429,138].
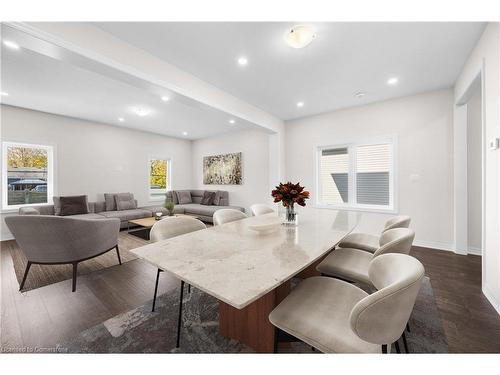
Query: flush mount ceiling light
[300,36]
[360,94]
[392,81]
[121,119]
[3,93]
[141,111]
[10,44]
[242,61]
[300,104]
[184,133]
[165,98]
[232,122]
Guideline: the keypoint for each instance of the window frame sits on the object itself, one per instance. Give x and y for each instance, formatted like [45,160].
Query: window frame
[352,204]
[159,193]
[50,174]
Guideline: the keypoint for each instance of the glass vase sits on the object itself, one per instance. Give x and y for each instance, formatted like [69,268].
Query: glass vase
[290,216]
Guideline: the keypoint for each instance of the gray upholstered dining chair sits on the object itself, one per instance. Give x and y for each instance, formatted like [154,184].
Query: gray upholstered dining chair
[167,228]
[48,239]
[369,242]
[227,215]
[260,209]
[353,264]
[334,316]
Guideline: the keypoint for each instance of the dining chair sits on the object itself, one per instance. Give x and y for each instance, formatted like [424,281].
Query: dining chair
[167,228]
[353,264]
[260,209]
[335,316]
[370,242]
[227,215]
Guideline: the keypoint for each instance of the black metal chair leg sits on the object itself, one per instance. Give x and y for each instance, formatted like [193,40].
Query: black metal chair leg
[28,266]
[189,288]
[408,327]
[405,343]
[156,289]
[384,349]
[180,315]
[396,344]
[118,253]
[75,266]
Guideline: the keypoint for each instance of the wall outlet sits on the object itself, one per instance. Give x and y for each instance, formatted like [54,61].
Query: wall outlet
[494,144]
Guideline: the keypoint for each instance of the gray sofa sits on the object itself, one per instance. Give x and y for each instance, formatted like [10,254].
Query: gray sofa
[97,210]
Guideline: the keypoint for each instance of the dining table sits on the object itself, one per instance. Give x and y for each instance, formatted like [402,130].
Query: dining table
[247,271]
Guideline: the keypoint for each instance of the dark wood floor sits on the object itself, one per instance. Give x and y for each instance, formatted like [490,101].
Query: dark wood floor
[46,316]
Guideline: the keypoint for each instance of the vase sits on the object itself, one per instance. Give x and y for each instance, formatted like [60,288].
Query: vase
[290,216]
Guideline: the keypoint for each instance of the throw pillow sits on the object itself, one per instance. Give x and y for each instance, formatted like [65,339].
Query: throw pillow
[125,201]
[57,205]
[75,205]
[217,198]
[109,200]
[184,196]
[208,198]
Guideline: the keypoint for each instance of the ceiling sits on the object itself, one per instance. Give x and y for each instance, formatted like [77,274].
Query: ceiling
[344,59]
[35,80]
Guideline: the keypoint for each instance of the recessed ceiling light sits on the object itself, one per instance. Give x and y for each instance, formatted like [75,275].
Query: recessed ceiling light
[242,61]
[232,121]
[300,36]
[165,98]
[392,81]
[360,94]
[10,44]
[121,119]
[300,104]
[184,133]
[3,93]
[141,111]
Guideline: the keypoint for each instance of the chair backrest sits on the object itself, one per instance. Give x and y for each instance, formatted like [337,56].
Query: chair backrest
[381,317]
[227,215]
[260,209]
[174,226]
[402,221]
[398,240]
[62,239]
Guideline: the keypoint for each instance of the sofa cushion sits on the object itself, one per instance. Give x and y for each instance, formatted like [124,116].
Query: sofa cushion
[199,209]
[184,196]
[74,205]
[89,216]
[125,201]
[127,214]
[208,198]
[163,210]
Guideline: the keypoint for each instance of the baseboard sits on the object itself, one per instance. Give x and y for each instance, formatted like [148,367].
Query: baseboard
[475,251]
[435,245]
[491,298]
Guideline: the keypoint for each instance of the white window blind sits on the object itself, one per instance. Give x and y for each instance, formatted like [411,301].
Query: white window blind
[356,175]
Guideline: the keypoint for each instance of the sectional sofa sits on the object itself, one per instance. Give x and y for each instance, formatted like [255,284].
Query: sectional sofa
[98,210]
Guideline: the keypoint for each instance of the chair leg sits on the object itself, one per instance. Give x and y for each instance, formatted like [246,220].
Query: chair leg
[75,266]
[405,343]
[384,349]
[408,327]
[396,344]
[189,288]
[28,266]
[156,289]
[180,315]
[118,253]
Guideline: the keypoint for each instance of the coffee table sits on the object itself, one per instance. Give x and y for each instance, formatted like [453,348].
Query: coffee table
[148,222]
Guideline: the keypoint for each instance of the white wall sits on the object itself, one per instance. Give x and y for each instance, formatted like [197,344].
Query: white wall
[486,55]
[423,125]
[93,158]
[474,175]
[255,146]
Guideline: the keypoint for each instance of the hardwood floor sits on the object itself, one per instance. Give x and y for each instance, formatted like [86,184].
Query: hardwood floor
[49,315]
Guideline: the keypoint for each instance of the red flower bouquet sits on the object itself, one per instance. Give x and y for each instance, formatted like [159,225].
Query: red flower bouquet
[289,194]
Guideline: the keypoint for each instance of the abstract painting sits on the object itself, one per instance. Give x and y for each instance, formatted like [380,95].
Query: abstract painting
[222,169]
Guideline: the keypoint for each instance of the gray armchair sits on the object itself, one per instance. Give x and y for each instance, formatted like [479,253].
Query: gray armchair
[47,239]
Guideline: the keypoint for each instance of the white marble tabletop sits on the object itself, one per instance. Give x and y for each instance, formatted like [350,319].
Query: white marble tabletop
[237,265]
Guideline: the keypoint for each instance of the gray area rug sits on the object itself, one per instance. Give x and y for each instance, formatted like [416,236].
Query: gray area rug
[143,331]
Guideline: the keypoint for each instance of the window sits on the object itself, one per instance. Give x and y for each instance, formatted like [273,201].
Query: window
[159,178]
[27,172]
[357,175]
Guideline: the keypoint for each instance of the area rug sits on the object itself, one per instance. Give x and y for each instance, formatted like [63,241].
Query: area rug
[143,331]
[41,275]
